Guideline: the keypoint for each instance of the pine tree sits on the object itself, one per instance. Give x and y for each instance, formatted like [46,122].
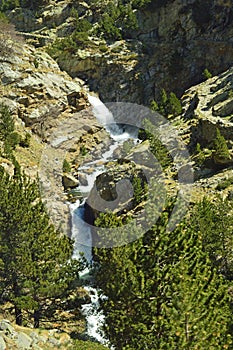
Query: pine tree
[163,293]
[8,135]
[214,221]
[35,266]
[6,122]
[220,147]
[174,105]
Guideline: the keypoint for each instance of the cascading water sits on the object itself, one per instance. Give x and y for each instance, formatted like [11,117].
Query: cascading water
[81,232]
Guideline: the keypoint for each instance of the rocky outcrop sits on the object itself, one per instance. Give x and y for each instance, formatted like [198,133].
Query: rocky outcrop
[174,43]
[54,109]
[114,189]
[15,337]
[206,107]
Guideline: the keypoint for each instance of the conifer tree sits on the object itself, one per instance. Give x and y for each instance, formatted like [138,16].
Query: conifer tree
[214,221]
[174,105]
[220,147]
[163,293]
[35,265]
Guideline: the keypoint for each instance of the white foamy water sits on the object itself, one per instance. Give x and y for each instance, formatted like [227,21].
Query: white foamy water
[81,232]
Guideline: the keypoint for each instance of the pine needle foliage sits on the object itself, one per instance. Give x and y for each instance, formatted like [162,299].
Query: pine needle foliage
[35,266]
[162,292]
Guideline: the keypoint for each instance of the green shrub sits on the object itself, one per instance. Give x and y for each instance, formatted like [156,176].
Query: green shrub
[66,166]
[200,155]
[138,189]
[207,74]
[87,345]
[108,28]
[83,150]
[224,184]
[25,142]
[83,25]
[6,122]
[13,139]
[168,104]
[174,105]
[221,150]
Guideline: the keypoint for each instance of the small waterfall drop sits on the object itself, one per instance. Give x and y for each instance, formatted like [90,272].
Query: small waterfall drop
[81,232]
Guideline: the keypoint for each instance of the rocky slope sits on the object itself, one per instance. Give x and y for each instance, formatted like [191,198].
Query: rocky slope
[174,42]
[13,337]
[170,49]
[207,107]
[54,109]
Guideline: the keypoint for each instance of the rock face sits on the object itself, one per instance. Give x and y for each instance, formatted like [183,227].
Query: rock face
[206,107]
[16,337]
[54,109]
[175,42]
[113,189]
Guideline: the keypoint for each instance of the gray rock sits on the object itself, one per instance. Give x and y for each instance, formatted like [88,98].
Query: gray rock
[8,74]
[24,341]
[69,181]
[6,326]
[83,179]
[2,344]
[224,109]
[54,341]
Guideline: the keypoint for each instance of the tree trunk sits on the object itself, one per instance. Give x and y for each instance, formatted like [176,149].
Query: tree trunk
[18,316]
[36,317]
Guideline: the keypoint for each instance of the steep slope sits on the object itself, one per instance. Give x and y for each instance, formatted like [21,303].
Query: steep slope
[169,47]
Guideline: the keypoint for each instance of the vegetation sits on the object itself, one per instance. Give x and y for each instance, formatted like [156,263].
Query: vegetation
[165,293]
[36,270]
[158,149]
[199,155]
[35,265]
[66,166]
[221,151]
[25,142]
[224,184]
[8,136]
[167,105]
[87,345]
[11,4]
[140,189]
[213,219]
[207,74]
[83,150]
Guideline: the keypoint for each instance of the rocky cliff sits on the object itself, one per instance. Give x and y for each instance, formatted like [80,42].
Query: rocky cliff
[53,108]
[172,45]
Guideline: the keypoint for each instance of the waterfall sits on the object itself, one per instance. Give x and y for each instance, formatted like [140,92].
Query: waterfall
[81,232]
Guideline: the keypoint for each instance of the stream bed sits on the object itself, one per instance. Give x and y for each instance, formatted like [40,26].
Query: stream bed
[81,231]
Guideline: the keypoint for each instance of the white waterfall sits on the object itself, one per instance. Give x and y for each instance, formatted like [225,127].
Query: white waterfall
[81,232]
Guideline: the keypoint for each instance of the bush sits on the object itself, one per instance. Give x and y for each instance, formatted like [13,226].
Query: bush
[200,156]
[207,74]
[13,139]
[167,104]
[83,150]
[108,28]
[224,184]
[6,122]
[26,141]
[221,150]
[66,166]
[174,105]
